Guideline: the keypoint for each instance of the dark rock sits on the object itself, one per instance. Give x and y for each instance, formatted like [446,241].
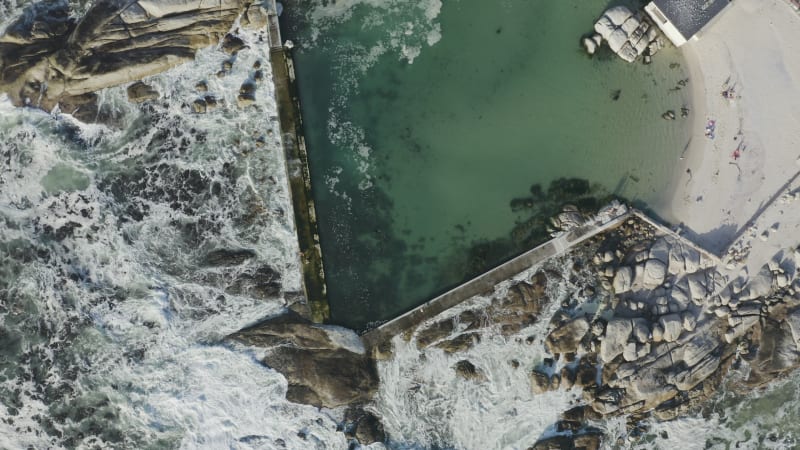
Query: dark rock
[227,257]
[199,106]
[369,430]
[587,371]
[245,100]
[247,94]
[231,44]
[433,333]
[589,440]
[211,101]
[263,283]
[139,92]
[460,343]
[201,86]
[468,371]
[540,382]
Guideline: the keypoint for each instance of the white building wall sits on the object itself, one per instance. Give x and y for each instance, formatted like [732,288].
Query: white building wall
[666,26]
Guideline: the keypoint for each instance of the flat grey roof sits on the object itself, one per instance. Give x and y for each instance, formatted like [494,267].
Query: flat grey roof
[689,16]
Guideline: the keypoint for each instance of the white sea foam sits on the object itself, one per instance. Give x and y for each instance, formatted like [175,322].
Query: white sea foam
[424,403]
[125,298]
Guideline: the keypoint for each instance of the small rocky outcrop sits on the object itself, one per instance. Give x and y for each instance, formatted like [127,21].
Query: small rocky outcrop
[49,58]
[369,430]
[325,366]
[468,371]
[582,441]
[363,426]
[628,34]
[139,92]
[227,257]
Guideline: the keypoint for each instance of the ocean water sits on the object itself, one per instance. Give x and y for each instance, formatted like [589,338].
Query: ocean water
[111,323]
[424,121]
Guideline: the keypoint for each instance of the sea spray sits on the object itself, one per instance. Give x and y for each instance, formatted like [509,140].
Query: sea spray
[110,319]
[423,402]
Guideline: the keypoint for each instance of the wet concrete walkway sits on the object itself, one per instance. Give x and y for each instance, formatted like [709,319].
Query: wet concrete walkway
[305,215]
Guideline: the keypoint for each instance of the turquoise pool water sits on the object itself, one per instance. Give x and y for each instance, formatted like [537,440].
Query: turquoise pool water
[415,164]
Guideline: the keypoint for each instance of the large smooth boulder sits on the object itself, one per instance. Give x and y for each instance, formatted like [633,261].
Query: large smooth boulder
[630,25]
[654,273]
[618,14]
[623,280]
[616,338]
[672,326]
[604,27]
[325,366]
[567,337]
[617,39]
[590,45]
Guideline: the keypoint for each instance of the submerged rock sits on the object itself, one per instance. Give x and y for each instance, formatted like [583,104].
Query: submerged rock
[369,430]
[227,257]
[584,441]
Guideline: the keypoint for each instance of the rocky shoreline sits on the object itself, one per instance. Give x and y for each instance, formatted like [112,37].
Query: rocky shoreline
[643,325]
[647,329]
[50,59]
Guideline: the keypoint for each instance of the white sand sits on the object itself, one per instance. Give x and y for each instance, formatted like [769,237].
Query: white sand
[754,46]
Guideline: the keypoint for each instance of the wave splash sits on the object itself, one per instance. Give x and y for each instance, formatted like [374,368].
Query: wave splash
[128,253]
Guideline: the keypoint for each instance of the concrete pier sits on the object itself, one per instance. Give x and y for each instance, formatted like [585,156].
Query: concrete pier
[485,283]
[298,173]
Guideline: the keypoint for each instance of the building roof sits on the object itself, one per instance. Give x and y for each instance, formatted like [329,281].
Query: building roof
[689,16]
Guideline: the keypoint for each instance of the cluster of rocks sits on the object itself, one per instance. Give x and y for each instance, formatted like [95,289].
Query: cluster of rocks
[670,327]
[508,314]
[48,58]
[653,336]
[627,34]
[139,92]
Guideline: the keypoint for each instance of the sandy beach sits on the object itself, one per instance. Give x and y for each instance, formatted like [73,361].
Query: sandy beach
[742,159]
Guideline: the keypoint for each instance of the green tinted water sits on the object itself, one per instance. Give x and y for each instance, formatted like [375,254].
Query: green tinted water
[415,165]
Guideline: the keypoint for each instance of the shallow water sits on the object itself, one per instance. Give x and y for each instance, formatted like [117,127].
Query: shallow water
[424,123]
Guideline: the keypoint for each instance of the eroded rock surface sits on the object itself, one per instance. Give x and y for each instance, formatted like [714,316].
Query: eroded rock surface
[49,58]
[325,366]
